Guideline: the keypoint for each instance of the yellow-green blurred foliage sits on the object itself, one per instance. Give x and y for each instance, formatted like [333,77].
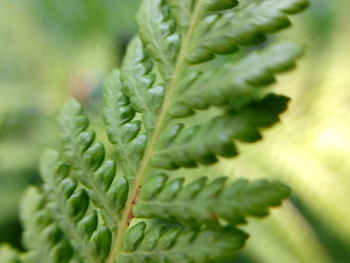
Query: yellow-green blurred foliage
[49,52]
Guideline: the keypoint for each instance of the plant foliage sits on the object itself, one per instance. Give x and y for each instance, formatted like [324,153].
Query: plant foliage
[175,104]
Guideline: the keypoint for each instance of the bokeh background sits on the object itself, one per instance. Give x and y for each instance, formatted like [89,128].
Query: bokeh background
[53,49]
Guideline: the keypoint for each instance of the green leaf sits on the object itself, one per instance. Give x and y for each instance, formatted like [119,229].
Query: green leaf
[158,116]
[122,130]
[102,241]
[186,147]
[182,10]
[158,32]
[247,24]
[215,5]
[70,206]
[158,244]
[87,159]
[42,236]
[236,82]
[138,84]
[208,202]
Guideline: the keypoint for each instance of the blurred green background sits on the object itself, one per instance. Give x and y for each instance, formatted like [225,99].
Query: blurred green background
[52,49]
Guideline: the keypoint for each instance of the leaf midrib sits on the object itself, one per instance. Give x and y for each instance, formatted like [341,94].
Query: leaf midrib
[161,122]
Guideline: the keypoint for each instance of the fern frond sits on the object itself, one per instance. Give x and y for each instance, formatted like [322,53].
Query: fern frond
[203,143]
[70,207]
[159,244]
[43,237]
[139,213]
[248,24]
[172,41]
[138,83]
[205,202]
[106,190]
[123,131]
[158,32]
[235,83]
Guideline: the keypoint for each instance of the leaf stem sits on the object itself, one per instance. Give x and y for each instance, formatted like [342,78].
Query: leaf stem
[161,122]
